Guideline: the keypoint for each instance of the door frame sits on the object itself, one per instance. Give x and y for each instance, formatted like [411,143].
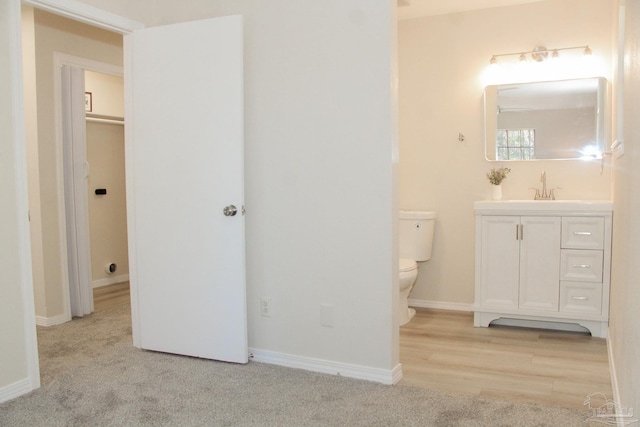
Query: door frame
[92,16]
[73,199]
[87,14]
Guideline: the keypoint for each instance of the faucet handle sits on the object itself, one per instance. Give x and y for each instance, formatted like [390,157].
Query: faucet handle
[537,195]
[552,193]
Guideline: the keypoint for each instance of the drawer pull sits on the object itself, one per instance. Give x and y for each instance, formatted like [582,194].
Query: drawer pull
[581,266]
[580,298]
[582,233]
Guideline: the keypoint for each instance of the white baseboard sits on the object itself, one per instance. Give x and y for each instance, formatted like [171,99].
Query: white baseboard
[383,376]
[457,306]
[396,374]
[110,281]
[52,321]
[15,390]
[612,371]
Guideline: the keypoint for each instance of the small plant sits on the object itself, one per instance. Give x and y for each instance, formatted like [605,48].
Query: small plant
[496,176]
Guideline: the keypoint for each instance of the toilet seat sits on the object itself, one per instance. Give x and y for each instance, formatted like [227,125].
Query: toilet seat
[407,265]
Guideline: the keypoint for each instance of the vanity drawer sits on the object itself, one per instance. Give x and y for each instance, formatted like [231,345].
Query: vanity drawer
[581,265]
[581,297]
[582,233]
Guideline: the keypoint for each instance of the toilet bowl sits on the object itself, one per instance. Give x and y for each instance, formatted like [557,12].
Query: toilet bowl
[415,237]
[408,276]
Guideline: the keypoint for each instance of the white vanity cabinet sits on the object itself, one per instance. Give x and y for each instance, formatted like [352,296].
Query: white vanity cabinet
[543,261]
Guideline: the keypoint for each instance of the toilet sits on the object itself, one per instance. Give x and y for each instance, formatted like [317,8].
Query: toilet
[415,236]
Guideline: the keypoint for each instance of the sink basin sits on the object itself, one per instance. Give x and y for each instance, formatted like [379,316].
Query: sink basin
[544,205]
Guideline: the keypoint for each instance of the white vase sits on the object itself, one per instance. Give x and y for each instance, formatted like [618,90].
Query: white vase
[497,192]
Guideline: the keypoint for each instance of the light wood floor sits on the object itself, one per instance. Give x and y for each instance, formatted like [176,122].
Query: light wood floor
[106,297]
[442,350]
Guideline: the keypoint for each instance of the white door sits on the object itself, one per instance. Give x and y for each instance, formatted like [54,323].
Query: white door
[184,166]
[74,144]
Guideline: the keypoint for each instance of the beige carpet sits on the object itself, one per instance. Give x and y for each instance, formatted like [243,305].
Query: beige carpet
[93,376]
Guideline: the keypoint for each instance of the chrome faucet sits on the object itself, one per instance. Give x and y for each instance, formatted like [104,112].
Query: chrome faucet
[543,195]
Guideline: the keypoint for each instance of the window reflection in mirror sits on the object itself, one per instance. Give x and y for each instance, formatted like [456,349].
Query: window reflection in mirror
[545,120]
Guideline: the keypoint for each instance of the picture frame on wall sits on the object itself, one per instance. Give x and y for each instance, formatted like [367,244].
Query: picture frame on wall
[88,102]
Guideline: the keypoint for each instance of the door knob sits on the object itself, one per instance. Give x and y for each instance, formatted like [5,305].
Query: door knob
[230,210]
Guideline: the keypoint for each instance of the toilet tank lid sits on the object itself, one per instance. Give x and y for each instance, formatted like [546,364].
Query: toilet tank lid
[417,214]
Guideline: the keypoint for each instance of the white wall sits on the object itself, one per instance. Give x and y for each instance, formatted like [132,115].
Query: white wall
[625,292]
[107,213]
[105,154]
[18,367]
[443,64]
[107,93]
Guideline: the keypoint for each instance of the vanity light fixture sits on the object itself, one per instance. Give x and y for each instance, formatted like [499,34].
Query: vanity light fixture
[540,53]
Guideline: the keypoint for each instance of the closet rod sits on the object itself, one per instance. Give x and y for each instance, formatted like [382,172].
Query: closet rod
[97,118]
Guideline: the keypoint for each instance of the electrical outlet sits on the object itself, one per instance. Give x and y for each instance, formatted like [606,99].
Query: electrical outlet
[265,307]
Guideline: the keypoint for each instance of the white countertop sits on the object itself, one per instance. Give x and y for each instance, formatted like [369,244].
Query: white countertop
[544,205]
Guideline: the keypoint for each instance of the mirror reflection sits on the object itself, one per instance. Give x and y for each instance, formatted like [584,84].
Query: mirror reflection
[545,120]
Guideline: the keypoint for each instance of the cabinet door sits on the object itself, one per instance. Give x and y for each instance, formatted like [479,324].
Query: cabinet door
[500,258]
[540,263]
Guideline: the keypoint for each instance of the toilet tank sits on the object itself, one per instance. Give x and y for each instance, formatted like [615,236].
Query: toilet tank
[415,234]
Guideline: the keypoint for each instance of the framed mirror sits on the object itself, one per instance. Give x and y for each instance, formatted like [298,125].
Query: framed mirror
[561,119]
